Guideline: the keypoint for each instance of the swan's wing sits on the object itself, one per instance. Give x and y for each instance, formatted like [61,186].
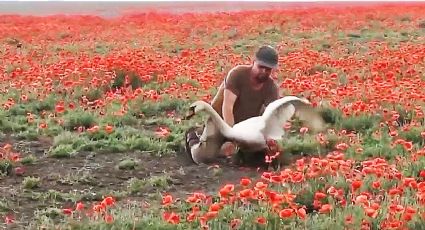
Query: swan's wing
[249,132]
[252,123]
[310,116]
[280,111]
[275,119]
[273,106]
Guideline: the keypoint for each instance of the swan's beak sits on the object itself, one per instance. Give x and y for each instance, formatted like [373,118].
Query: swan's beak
[190,114]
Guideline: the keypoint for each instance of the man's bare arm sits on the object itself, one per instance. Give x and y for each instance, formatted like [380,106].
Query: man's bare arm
[228,103]
[274,96]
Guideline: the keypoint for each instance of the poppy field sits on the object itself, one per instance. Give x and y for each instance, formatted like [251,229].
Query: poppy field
[92,128]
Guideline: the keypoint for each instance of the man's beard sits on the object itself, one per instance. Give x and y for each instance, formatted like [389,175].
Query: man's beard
[261,78]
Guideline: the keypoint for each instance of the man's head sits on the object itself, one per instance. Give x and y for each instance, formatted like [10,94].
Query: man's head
[266,59]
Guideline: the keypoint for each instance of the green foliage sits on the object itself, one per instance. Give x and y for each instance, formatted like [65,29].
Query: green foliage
[127,164]
[62,151]
[377,150]
[69,138]
[101,48]
[405,116]
[30,135]
[8,124]
[94,94]
[28,160]
[147,144]
[135,185]
[79,118]
[5,166]
[329,115]
[414,135]
[319,68]
[19,110]
[413,168]
[127,119]
[359,123]
[119,80]
[161,182]
[47,104]
[152,108]
[105,146]
[31,182]
[300,145]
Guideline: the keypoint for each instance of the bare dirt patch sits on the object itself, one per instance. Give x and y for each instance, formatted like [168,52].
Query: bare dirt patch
[90,176]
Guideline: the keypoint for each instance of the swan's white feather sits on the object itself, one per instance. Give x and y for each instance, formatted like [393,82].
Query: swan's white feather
[274,128]
[276,114]
[280,111]
[248,135]
[274,106]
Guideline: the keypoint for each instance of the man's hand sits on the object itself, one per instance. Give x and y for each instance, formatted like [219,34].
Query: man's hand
[228,149]
[228,103]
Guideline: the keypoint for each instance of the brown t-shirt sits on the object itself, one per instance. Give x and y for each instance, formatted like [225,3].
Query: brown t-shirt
[249,102]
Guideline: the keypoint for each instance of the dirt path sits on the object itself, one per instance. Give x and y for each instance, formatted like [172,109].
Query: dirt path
[89,176]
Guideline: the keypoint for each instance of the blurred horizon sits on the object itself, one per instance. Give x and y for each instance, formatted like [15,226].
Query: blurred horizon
[110,9]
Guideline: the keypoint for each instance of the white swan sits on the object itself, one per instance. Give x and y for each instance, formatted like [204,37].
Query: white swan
[252,134]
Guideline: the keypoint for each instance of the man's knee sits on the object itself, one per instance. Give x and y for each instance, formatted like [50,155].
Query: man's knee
[227,149]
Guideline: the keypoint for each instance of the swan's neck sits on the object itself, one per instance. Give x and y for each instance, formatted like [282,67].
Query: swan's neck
[224,128]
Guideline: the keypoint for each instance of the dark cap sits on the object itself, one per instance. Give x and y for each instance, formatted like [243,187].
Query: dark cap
[267,56]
